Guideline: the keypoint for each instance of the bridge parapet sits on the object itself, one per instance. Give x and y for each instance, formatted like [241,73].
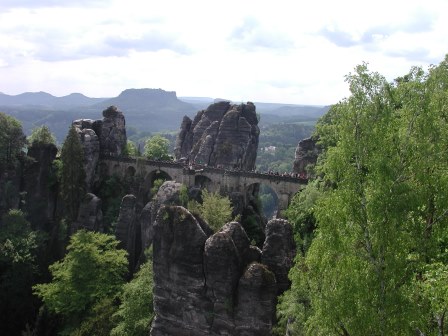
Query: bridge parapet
[285,186]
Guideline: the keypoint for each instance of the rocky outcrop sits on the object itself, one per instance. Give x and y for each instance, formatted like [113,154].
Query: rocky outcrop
[179,283]
[255,312]
[279,250]
[106,136]
[113,132]
[168,193]
[127,230]
[90,215]
[213,285]
[39,183]
[222,135]
[306,154]
[91,145]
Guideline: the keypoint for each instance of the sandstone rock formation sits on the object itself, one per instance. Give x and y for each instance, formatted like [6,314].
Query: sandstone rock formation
[91,145]
[222,135]
[306,154]
[106,136]
[39,181]
[90,215]
[279,251]
[113,132]
[127,230]
[214,284]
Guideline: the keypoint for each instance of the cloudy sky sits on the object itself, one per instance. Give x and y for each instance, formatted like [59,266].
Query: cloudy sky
[289,51]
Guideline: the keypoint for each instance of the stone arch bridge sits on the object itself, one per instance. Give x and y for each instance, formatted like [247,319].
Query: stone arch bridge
[214,179]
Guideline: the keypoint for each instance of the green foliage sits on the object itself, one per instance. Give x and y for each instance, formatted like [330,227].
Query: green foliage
[92,270]
[136,311]
[183,195]
[41,136]
[380,213]
[99,322]
[72,174]
[12,141]
[300,214]
[131,149]
[18,269]
[156,148]
[156,186]
[215,209]
[111,191]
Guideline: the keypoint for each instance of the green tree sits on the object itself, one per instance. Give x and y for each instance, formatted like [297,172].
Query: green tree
[12,141]
[72,173]
[156,148]
[131,149]
[136,311]
[92,270]
[215,209]
[41,136]
[18,270]
[381,211]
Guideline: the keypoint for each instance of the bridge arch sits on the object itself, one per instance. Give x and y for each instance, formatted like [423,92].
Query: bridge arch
[265,197]
[203,182]
[150,181]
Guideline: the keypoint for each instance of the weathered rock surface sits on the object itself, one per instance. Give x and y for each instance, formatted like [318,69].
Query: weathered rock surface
[306,154]
[257,294]
[39,184]
[127,229]
[279,250]
[113,132]
[168,193]
[90,215]
[91,146]
[106,136]
[211,285]
[223,134]
[179,283]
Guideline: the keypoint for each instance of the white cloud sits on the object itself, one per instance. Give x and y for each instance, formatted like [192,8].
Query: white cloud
[285,51]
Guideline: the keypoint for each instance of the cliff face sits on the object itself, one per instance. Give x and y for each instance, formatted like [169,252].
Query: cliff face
[306,154]
[222,135]
[215,284]
[106,136]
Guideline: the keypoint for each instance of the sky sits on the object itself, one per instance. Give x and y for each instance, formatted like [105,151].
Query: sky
[284,51]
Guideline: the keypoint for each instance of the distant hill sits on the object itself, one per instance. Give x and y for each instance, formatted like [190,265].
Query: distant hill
[146,110]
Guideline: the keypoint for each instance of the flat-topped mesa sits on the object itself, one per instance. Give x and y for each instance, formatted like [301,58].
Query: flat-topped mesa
[223,135]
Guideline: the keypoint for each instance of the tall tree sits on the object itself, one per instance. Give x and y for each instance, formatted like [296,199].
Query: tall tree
[156,148]
[381,213]
[72,173]
[12,141]
[41,136]
[92,270]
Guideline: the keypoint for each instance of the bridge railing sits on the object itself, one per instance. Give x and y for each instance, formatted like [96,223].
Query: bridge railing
[274,177]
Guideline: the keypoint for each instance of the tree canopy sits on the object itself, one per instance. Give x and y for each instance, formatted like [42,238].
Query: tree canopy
[12,141]
[157,148]
[41,136]
[92,270]
[377,262]
[72,173]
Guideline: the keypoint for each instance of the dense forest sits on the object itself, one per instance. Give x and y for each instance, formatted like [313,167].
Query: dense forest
[371,228]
